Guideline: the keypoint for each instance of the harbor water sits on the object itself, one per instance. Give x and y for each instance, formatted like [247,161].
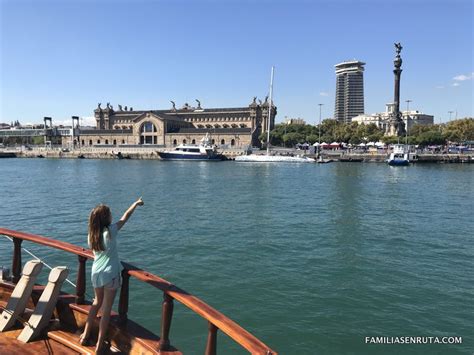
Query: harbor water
[310,258]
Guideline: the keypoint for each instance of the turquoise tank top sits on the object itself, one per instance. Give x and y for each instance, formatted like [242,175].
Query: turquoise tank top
[106,265]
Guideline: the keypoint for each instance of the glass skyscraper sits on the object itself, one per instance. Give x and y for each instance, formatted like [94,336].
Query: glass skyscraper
[349,90]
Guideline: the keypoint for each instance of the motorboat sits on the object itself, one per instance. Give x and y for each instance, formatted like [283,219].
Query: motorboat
[399,156]
[204,151]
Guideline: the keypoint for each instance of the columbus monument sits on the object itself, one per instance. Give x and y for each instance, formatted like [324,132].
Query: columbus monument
[395,126]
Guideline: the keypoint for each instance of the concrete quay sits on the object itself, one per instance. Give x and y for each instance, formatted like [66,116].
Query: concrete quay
[151,153]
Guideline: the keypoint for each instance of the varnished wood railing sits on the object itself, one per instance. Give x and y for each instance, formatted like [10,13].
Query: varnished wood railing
[216,320]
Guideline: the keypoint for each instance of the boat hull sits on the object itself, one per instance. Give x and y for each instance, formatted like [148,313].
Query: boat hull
[195,157]
[398,162]
[272,159]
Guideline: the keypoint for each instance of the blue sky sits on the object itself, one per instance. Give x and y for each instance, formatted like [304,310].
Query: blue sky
[60,58]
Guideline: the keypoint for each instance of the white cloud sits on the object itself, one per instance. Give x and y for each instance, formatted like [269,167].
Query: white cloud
[463,77]
[455,84]
[439,87]
[322,93]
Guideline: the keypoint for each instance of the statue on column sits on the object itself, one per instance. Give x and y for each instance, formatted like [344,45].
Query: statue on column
[395,125]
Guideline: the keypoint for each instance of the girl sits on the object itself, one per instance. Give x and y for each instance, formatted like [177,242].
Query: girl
[102,239]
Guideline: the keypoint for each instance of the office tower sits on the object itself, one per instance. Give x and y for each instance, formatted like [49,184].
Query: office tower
[349,90]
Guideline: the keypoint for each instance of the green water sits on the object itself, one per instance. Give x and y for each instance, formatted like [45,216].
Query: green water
[309,258]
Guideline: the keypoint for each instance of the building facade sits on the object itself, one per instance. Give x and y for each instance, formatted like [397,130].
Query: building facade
[229,127]
[382,119]
[349,90]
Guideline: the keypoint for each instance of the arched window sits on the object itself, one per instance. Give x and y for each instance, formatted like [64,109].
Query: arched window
[90,141]
[194,141]
[106,141]
[175,142]
[243,125]
[82,142]
[225,125]
[184,141]
[148,127]
[123,141]
[208,126]
[234,125]
[232,142]
[217,125]
[213,141]
[222,141]
[115,142]
[148,133]
[98,141]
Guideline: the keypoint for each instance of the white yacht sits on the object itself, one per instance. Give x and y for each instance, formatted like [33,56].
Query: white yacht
[399,155]
[204,151]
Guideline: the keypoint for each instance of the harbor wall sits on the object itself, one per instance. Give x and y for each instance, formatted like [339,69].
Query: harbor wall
[231,153]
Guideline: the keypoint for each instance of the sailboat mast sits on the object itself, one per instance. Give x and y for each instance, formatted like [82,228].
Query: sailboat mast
[270,103]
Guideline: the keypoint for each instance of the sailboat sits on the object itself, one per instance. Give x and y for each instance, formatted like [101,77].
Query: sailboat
[267,158]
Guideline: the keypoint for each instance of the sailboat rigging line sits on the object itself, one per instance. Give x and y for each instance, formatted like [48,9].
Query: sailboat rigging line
[34,256]
[269,115]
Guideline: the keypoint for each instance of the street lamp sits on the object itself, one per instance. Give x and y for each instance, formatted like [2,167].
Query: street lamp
[450,112]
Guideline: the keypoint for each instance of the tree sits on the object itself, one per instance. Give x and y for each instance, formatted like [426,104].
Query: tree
[292,138]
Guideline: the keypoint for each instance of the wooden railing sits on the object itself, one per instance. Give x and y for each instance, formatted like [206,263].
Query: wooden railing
[216,320]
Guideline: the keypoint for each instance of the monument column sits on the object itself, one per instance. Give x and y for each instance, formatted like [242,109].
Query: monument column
[396,126]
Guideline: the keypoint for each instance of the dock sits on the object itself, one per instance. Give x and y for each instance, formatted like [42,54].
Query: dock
[151,153]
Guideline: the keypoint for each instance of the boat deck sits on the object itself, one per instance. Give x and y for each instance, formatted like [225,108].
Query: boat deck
[10,345]
[60,334]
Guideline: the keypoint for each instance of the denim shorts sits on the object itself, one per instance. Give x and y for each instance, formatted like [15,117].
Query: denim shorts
[114,284]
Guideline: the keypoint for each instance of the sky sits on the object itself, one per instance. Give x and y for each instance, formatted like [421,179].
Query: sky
[61,58]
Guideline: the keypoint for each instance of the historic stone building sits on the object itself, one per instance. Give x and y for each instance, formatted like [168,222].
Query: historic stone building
[230,127]
[382,119]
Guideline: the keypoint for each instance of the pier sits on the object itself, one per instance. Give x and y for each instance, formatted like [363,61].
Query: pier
[151,153]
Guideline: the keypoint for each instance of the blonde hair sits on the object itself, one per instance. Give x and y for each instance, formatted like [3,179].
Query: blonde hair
[99,219]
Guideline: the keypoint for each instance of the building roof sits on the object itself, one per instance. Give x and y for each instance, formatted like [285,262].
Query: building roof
[94,132]
[213,130]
